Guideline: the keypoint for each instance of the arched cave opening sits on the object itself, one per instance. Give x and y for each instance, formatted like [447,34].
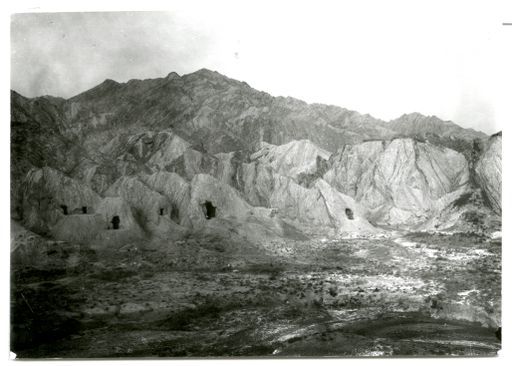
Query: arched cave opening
[84,209]
[349,213]
[161,212]
[175,214]
[115,222]
[64,209]
[209,210]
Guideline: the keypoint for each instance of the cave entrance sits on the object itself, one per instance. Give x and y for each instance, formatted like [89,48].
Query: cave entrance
[209,210]
[115,222]
[161,212]
[84,209]
[349,213]
[175,214]
[64,209]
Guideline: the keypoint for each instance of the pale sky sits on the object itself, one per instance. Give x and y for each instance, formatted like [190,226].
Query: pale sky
[384,58]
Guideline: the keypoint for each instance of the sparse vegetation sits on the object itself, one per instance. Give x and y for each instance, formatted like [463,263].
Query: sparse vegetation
[204,305]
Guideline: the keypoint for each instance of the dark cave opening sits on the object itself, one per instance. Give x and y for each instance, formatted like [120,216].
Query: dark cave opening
[175,214]
[84,209]
[349,213]
[161,212]
[64,209]
[115,222]
[209,210]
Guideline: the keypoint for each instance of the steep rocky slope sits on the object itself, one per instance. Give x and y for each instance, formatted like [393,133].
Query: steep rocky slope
[488,172]
[400,180]
[291,159]
[219,113]
[416,124]
[46,195]
[174,215]
[164,147]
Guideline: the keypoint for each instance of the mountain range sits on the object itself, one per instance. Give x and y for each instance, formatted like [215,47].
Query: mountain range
[167,155]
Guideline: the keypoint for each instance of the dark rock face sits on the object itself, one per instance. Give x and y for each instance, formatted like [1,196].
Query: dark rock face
[419,125]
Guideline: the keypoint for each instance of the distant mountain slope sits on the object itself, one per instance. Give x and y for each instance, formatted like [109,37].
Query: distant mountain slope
[420,125]
[222,115]
[305,160]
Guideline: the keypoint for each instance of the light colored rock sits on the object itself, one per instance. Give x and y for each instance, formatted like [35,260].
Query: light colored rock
[43,193]
[146,203]
[258,182]
[167,148]
[346,214]
[227,200]
[291,159]
[176,189]
[117,206]
[488,172]
[271,181]
[298,203]
[398,181]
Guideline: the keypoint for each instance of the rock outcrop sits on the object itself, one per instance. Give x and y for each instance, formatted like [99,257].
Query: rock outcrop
[488,172]
[416,124]
[398,181]
[148,205]
[292,159]
[345,213]
[47,195]
[462,211]
[175,152]
[110,207]
[207,193]
[176,189]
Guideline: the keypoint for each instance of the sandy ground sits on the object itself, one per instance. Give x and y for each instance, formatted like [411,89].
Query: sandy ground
[399,294]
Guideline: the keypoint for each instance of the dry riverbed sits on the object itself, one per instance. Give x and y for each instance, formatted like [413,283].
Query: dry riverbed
[402,294]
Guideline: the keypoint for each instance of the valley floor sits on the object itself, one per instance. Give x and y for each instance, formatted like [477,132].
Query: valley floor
[401,294]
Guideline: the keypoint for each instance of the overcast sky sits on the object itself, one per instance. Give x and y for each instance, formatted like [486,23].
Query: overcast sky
[384,58]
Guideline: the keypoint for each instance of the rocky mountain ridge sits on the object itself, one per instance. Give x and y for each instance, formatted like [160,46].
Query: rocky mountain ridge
[161,154]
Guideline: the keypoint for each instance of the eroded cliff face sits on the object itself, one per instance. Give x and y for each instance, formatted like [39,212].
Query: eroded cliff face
[399,181]
[292,159]
[488,172]
[174,195]
[157,150]
[46,195]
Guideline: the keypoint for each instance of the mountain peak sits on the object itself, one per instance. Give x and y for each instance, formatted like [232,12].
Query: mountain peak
[205,71]
[172,75]
[109,82]
[208,74]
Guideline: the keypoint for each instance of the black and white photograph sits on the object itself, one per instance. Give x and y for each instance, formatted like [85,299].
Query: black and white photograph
[221,179]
